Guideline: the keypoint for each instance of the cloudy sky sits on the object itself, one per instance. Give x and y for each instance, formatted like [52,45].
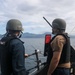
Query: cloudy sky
[31,12]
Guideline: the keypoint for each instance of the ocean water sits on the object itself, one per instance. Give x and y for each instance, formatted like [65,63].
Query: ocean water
[32,44]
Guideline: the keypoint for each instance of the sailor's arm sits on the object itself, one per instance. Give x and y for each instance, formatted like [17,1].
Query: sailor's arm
[57,46]
[18,60]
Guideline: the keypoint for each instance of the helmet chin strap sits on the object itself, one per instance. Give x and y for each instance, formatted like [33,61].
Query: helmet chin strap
[12,34]
[20,34]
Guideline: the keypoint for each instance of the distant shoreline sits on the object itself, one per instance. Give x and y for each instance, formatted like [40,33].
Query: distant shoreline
[31,35]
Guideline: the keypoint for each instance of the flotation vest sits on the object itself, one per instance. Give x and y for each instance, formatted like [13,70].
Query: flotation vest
[65,55]
[6,55]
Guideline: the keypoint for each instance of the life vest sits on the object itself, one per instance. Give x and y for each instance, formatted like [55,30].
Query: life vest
[6,55]
[65,55]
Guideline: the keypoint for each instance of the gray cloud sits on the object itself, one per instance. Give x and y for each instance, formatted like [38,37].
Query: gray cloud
[30,12]
[25,7]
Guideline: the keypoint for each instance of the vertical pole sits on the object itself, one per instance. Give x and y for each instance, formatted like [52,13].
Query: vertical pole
[37,59]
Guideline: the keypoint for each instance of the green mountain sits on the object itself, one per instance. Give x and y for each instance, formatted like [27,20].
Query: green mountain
[31,35]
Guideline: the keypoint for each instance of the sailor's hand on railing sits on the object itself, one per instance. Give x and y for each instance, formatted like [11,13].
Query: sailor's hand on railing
[26,55]
[36,52]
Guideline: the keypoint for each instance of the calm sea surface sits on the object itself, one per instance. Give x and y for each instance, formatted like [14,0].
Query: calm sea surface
[36,43]
[31,44]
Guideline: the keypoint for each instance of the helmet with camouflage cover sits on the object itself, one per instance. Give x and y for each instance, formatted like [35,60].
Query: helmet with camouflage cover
[59,24]
[14,24]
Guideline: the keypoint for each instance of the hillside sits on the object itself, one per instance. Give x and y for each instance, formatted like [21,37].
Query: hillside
[31,35]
